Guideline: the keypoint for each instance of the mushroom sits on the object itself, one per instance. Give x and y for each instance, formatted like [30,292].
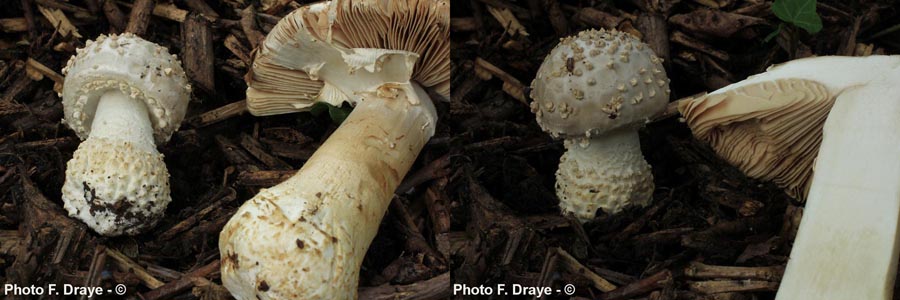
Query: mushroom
[825,129]
[122,95]
[306,237]
[596,90]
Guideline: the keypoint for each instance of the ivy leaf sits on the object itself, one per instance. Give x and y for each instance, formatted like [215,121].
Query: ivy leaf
[318,108]
[801,13]
[337,113]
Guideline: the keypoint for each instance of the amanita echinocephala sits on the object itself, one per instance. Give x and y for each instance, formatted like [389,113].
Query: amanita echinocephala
[595,90]
[122,95]
[827,129]
[306,237]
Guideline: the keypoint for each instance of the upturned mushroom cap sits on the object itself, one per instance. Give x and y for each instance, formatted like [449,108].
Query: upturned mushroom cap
[138,68]
[598,81]
[287,77]
[770,125]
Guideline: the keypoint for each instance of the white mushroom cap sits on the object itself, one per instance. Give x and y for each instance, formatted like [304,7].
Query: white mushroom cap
[116,188]
[134,66]
[598,81]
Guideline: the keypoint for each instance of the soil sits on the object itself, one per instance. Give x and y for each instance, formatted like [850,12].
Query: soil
[478,207]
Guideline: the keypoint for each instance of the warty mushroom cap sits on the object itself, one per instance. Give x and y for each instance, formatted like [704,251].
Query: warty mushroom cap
[596,82]
[284,78]
[770,125]
[134,66]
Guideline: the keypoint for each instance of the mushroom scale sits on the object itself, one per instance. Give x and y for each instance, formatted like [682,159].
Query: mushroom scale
[122,95]
[594,90]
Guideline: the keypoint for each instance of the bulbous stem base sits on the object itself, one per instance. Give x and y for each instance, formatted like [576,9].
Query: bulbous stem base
[605,172]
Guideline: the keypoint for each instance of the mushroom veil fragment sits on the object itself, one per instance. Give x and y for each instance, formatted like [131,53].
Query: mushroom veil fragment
[595,90]
[306,237]
[826,130]
[122,95]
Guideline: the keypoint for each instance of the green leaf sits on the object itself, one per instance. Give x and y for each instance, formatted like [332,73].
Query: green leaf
[801,13]
[318,108]
[338,114]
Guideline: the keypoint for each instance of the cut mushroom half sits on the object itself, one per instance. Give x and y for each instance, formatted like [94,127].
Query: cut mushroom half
[826,130]
[306,237]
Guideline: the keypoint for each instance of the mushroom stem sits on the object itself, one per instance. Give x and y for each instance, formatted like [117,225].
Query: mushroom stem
[320,222]
[128,178]
[122,118]
[590,166]
[846,247]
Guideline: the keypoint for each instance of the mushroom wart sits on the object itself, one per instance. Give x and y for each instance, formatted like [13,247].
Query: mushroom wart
[825,129]
[122,95]
[306,237]
[595,90]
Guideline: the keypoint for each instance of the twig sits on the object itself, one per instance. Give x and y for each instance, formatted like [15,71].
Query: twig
[181,284]
[78,12]
[114,15]
[98,264]
[597,18]
[199,58]
[200,6]
[254,148]
[700,270]
[435,169]
[221,197]
[438,206]
[44,70]
[724,286]
[573,266]
[29,19]
[264,178]
[61,143]
[414,240]
[139,18]
[251,29]
[435,288]
[640,287]
[220,114]
[511,85]
[462,24]
[656,34]
[13,25]
[238,49]
[690,42]
[127,265]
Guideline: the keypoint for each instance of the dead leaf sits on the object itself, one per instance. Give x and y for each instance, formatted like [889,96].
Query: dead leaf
[714,22]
